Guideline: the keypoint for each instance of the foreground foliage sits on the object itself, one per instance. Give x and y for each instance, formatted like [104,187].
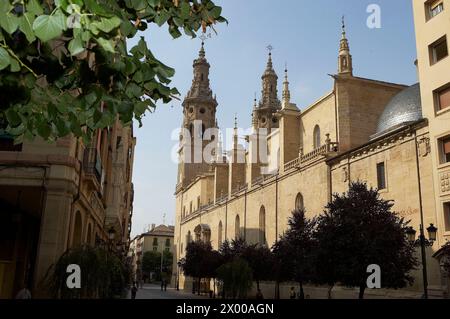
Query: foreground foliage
[65,66]
[104,274]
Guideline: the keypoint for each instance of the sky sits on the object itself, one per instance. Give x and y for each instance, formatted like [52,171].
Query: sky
[304,34]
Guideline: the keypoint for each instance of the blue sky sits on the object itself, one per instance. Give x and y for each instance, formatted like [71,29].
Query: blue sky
[305,34]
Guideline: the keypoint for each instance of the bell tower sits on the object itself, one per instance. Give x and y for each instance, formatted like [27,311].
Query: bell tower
[345,62]
[264,112]
[199,128]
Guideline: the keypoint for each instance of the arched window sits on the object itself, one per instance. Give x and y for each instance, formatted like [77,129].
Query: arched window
[299,205]
[237,227]
[77,230]
[219,234]
[262,226]
[316,137]
[89,235]
[188,238]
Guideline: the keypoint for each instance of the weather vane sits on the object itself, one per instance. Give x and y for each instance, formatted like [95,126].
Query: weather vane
[269,48]
[205,36]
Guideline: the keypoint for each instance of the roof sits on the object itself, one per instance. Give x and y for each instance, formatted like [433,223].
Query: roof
[161,230]
[404,108]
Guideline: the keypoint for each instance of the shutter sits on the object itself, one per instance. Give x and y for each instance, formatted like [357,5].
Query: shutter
[444,99]
[446,146]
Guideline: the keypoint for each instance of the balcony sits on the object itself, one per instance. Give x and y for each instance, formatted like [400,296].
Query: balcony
[328,149]
[92,166]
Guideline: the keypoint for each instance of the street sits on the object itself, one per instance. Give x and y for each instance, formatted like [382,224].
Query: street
[154,292]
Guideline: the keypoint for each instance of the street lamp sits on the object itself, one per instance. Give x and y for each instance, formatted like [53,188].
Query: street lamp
[422,242]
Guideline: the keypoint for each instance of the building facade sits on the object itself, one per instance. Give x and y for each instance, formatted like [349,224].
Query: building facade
[158,239]
[362,130]
[432,24]
[55,196]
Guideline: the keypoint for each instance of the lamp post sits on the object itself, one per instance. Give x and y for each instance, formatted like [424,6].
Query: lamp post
[422,242]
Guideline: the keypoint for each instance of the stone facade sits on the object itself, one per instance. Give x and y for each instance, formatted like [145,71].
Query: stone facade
[432,25]
[54,196]
[321,150]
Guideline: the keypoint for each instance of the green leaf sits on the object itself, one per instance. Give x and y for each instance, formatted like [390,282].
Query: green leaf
[162,18]
[12,117]
[25,25]
[107,25]
[9,22]
[216,12]
[5,59]
[15,66]
[76,46]
[49,27]
[97,9]
[185,9]
[34,7]
[138,5]
[107,45]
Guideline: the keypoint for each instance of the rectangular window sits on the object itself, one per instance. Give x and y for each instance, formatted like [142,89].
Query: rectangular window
[434,7]
[167,242]
[438,50]
[447,216]
[381,176]
[445,149]
[155,241]
[443,98]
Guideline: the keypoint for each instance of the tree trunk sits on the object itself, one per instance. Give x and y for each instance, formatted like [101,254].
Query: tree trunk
[193,285]
[199,285]
[302,293]
[362,288]
[257,284]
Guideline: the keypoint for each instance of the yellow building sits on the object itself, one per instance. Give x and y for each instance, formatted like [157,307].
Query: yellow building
[432,23]
[157,239]
[54,196]
[362,129]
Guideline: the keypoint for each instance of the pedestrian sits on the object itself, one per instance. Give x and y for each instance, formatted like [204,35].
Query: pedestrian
[165,285]
[292,294]
[134,291]
[24,293]
[259,295]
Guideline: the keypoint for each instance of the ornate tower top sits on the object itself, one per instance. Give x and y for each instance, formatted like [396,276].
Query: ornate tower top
[269,86]
[286,91]
[200,88]
[345,63]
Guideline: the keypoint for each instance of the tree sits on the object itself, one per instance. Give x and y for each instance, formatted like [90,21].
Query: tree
[295,250]
[65,66]
[237,278]
[103,274]
[445,257]
[200,262]
[151,263]
[358,229]
[261,261]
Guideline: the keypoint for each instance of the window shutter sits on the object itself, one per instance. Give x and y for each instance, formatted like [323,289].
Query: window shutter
[444,99]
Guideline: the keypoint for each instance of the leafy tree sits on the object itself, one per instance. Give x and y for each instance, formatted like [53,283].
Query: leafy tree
[65,66]
[446,258]
[151,263]
[261,261]
[236,277]
[295,250]
[358,229]
[200,262]
[104,274]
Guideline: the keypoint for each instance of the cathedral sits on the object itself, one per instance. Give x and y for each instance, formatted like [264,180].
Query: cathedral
[361,130]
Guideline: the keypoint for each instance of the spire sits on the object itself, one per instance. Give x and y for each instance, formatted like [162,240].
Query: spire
[200,84]
[286,91]
[269,85]
[345,64]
